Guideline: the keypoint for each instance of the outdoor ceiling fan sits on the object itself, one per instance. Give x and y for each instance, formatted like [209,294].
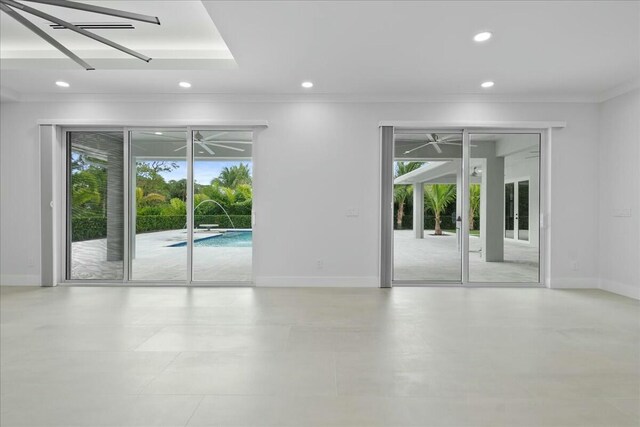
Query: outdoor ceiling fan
[205,143]
[10,7]
[435,141]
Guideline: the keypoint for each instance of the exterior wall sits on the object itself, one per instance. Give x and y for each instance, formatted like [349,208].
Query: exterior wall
[314,162]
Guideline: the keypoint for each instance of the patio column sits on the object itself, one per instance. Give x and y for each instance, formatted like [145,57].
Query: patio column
[492,209]
[418,210]
[115,203]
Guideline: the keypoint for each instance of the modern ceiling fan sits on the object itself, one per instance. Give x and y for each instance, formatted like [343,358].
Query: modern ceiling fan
[10,7]
[205,143]
[435,141]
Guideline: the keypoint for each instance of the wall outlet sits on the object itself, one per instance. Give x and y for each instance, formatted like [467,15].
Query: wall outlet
[574,266]
[320,264]
[352,212]
[622,212]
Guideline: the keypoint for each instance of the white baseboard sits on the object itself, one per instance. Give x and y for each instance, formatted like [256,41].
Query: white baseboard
[318,281]
[20,280]
[624,289]
[573,283]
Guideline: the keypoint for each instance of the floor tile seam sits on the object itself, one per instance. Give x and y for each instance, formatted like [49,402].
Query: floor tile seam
[202,397]
[157,375]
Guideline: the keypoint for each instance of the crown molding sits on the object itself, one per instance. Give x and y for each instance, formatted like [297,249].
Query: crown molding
[292,98]
[621,89]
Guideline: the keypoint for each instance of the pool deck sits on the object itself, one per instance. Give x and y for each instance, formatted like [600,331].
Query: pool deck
[156,260]
[434,258]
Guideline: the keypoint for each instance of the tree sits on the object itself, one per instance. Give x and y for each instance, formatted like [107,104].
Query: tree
[474,203]
[85,193]
[233,176]
[401,193]
[149,176]
[178,189]
[437,198]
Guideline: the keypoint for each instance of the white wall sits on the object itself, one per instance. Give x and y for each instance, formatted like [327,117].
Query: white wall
[619,190]
[315,161]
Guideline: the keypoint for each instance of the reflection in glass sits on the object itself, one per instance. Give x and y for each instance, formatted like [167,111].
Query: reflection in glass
[509,200]
[222,205]
[506,246]
[158,205]
[96,205]
[427,204]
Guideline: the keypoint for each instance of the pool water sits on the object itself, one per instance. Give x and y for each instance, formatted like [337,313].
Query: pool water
[235,239]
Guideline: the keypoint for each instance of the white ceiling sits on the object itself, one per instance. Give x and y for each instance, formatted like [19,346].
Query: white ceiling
[368,50]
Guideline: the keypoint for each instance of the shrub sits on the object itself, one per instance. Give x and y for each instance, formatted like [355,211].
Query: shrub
[88,228]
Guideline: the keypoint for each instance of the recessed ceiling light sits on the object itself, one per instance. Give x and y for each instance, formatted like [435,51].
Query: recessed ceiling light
[307,85]
[158,133]
[483,36]
[185,85]
[487,85]
[62,84]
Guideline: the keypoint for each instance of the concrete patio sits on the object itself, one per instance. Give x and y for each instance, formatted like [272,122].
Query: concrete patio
[436,258]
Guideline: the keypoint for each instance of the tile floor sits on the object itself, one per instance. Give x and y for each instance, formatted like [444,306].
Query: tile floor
[90,356]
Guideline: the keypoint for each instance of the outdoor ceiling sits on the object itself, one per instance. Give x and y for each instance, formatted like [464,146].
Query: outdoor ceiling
[171,145]
[350,50]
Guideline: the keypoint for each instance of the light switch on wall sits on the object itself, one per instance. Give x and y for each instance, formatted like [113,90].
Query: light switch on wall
[352,212]
[621,212]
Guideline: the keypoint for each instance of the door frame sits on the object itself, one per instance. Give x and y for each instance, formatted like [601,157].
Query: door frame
[387,139]
[60,170]
[516,209]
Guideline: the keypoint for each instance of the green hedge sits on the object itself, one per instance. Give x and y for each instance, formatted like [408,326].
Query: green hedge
[150,223]
[88,228]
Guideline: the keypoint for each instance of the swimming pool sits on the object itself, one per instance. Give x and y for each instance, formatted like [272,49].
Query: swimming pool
[235,239]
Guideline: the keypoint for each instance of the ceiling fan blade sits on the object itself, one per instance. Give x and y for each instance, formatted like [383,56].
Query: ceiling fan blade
[417,148]
[215,144]
[437,147]
[181,148]
[207,149]
[176,138]
[30,25]
[449,138]
[215,135]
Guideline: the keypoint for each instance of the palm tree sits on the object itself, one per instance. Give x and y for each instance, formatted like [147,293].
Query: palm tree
[474,203]
[233,176]
[401,193]
[437,197]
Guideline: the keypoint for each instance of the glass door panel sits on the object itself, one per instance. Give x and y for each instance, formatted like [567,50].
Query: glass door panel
[158,215]
[95,205]
[522,217]
[427,206]
[222,205]
[510,213]
[508,208]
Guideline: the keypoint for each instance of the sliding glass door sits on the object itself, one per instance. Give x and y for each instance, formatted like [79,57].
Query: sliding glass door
[427,192]
[222,205]
[506,167]
[95,205]
[487,233]
[158,200]
[171,205]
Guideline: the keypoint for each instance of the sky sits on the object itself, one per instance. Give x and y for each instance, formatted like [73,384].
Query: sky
[203,171]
